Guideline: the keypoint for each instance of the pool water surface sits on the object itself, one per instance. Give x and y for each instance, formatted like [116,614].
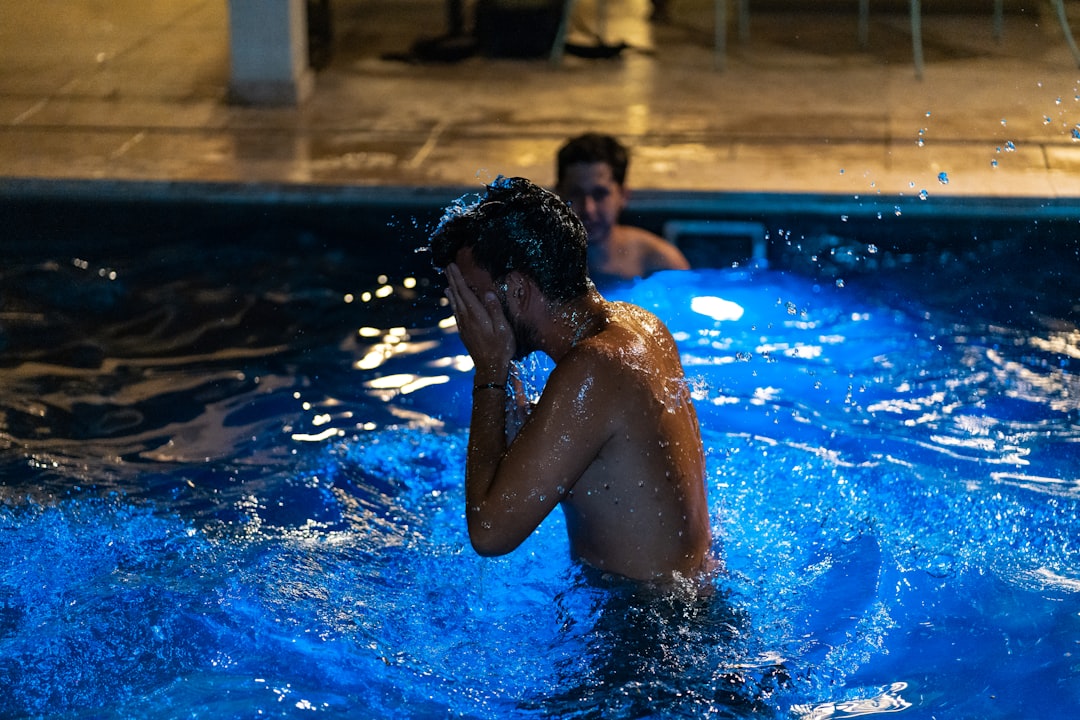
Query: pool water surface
[231,486]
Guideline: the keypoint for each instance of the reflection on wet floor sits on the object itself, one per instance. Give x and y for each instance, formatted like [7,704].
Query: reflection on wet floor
[123,91]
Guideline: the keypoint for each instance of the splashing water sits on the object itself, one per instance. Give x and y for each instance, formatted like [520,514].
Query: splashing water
[891,472]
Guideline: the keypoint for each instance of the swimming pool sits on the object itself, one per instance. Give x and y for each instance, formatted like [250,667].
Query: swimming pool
[231,458]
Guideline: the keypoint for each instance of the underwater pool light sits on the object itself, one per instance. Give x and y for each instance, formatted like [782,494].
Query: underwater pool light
[716,308]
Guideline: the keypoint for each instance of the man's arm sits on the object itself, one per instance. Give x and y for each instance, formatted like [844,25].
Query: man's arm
[487,445]
[486,334]
[511,489]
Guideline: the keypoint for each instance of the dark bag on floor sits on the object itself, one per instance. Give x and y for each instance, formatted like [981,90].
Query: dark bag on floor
[517,28]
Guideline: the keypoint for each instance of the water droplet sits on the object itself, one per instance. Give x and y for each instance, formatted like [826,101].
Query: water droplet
[839,282]
[993,163]
[843,218]
[942,566]
[1009,146]
[1003,122]
[1058,101]
[1046,120]
[791,309]
[1076,133]
[943,178]
[923,194]
[872,249]
[897,211]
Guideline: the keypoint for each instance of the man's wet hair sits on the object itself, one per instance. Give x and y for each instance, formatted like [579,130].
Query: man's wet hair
[593,148]
[517,225]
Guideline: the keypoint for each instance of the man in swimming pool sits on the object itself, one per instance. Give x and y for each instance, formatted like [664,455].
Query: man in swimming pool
[591,177]
[614,437]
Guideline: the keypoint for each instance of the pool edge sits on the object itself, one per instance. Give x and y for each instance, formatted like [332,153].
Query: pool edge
[649,201]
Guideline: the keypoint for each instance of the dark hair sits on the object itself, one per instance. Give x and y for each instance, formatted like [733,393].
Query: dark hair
[592,148]
[516,225]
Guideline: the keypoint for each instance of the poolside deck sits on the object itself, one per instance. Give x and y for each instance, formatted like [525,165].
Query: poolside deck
[136,90]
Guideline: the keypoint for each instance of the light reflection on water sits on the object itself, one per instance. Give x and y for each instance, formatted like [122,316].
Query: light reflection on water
[268,519]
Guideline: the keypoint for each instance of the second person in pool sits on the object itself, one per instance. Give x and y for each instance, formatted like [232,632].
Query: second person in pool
[591,174]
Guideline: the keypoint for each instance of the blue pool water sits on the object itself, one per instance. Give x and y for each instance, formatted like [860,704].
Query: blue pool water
[231,487]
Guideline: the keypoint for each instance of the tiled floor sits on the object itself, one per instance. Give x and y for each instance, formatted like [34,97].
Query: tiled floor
[136,90]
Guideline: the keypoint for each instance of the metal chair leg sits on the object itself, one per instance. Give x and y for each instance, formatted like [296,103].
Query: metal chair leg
[864,23]
[720,30]
[1059,6]
[558,47]
[916,37]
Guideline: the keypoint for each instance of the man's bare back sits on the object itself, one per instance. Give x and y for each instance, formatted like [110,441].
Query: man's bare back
[639,509]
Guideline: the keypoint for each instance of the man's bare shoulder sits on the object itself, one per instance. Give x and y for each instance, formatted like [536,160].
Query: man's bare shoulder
[638,235]
[639,321]
[655,252]
[634,340]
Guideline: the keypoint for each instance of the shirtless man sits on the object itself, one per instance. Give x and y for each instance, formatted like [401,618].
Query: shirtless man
[591,177]
[614,437]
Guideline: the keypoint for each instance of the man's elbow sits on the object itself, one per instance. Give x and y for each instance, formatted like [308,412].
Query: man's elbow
[488,543]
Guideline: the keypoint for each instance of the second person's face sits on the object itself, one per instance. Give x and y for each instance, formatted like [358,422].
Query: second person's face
[595,197]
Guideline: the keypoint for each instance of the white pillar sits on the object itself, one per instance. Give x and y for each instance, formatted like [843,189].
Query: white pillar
[269,49]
